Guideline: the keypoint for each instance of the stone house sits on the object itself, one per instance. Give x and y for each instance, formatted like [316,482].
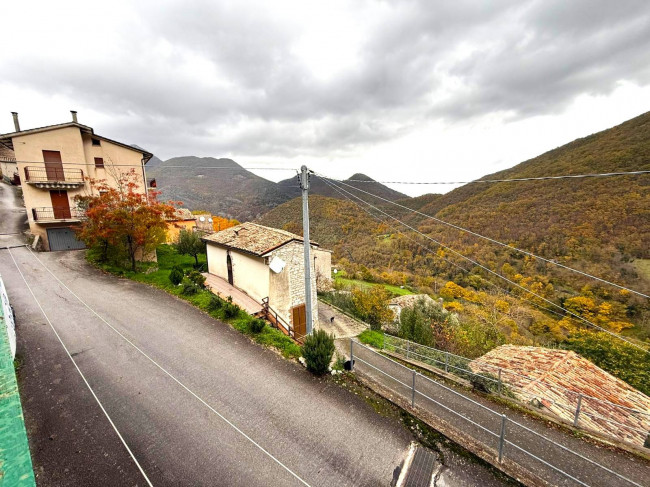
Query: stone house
[55,164]
[398,303]
[267,263]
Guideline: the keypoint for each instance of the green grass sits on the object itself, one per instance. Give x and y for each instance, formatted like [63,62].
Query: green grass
[373,338]
[158,275]
[396,290]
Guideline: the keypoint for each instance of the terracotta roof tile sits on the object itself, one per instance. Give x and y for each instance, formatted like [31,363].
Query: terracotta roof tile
[253,238]
[555,378]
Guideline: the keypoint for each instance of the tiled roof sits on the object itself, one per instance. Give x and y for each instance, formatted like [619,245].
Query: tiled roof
[410,299]
[183,214]
[6,154]
[555,379]
[253,238]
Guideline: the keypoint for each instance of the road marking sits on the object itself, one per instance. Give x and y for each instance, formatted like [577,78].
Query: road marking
[81,373]
[270,455]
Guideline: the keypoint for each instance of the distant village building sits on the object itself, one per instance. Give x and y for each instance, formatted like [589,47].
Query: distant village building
[182,220]
[54,164]
[407,301]
[204,223]
[553,379]
[268,263]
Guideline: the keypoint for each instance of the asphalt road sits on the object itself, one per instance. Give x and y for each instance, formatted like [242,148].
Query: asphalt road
[13,218]
[196,402]
[315,431]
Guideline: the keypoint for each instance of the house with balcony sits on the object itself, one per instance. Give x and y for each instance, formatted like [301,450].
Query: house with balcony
[55,163]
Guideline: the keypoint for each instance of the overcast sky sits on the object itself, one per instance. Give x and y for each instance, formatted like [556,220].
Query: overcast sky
[403,90]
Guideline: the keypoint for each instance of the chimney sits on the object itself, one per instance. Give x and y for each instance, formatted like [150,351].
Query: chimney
[74,116]
[16,124]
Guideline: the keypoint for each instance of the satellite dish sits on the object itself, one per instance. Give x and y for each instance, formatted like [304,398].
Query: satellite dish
[210,220]
[201,218]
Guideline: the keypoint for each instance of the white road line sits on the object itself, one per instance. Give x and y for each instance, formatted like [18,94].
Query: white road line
[81,373]
[170,375]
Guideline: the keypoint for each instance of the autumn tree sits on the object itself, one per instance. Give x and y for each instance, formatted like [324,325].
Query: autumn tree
[121,219]
[372,305]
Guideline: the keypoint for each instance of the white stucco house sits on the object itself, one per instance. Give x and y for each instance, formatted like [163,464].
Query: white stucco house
[267,263]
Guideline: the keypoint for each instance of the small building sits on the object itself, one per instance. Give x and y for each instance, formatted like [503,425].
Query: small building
[553,380]
[267,263]
[56,163]
[8,165]
[182,220]
[400,302]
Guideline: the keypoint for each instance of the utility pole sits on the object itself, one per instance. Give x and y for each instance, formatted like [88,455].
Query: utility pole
[304,185]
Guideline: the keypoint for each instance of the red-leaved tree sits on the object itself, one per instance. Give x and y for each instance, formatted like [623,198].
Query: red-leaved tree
[121,221]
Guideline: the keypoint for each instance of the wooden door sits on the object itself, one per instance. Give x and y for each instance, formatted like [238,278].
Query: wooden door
[299,320]
[231,279]
[53,165]
[60,204]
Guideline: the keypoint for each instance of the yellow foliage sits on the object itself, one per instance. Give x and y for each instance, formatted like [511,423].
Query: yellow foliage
[454,306]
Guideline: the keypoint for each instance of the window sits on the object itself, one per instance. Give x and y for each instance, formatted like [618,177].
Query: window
[96,142]
[99,162]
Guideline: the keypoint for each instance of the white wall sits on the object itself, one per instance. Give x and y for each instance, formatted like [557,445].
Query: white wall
[250,273]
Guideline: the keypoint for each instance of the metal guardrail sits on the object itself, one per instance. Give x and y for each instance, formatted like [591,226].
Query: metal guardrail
[550,460]
[35,174]
[57,213]
[578,408]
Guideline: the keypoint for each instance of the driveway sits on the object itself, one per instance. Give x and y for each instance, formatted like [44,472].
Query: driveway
[13,218]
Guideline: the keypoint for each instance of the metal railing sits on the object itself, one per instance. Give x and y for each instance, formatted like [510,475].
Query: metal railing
[485,429]
[55,213]
[34,174]
[582,410]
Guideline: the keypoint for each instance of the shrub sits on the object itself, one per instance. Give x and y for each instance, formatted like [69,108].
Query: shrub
[230,310]
[197,278]
[318,350]
[256,325]
[189,288]
[215,303]
[176,276]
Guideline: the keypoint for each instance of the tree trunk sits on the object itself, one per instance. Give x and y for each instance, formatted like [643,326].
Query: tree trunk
[196,258]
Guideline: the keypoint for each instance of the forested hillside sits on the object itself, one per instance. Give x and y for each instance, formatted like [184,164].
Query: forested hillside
[597,225]
[232,193]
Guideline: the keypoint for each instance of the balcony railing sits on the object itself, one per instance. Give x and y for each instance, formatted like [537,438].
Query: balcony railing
[57,213]
[54,177]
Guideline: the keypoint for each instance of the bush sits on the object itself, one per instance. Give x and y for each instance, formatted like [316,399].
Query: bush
[214,303]
[318,350]
[189,288]
[256,326]
[176,276]
[230,310]
[197,278]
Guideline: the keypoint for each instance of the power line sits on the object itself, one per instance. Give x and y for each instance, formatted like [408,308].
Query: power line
[506,279]
[468,271]
[170,166]
[457,227]
[540,178]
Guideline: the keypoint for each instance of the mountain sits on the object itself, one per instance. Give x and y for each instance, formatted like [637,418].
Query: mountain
[234,192]
[318,186]
[230,191]
[598,225]
[604,219]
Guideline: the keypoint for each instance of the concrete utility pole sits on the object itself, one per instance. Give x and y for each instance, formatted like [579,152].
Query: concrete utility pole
[304,185]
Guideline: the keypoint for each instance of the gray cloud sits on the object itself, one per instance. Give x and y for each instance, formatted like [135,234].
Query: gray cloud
[256,97]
